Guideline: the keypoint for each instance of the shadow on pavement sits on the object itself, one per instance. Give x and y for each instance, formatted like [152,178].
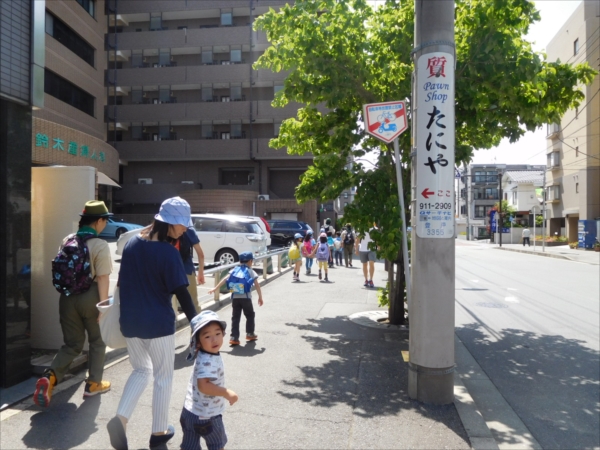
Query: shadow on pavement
[551,382]
[64,425]
[366,373]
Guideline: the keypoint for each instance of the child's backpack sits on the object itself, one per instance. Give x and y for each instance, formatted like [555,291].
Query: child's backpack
[294,252]
[71,269]
[323,252]
[240,280]
[349,238]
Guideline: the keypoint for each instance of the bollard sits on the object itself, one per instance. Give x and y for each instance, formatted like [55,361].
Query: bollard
[283,260]
[222,274]
[270,265]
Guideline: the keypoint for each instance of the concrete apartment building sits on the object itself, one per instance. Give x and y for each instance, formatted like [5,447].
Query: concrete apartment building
[573,150]
[190,116]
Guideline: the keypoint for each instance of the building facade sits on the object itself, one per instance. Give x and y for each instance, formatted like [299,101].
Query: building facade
[186,110]
[573,178]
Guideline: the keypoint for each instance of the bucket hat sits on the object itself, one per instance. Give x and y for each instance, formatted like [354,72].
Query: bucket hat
[199,321]
[95,208]
[298,236]
[175,211]
[246,256]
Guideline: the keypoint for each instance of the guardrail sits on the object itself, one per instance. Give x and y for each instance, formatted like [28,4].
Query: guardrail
[221,271]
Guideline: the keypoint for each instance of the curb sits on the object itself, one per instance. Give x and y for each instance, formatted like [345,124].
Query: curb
[548,255]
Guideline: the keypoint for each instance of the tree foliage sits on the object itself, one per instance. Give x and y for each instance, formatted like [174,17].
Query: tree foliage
[341,54]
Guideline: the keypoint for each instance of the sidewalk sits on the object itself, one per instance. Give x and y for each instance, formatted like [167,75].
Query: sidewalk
[560,252]
[314,379]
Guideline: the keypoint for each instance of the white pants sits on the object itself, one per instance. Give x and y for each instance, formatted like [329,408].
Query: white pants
[150,357]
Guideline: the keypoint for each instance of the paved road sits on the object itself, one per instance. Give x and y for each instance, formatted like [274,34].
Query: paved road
[532,324]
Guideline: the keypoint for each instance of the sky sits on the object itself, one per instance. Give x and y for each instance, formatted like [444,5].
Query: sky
[530,149]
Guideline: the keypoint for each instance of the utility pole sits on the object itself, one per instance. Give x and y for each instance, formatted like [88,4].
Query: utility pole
[431,346]
[499,230]
[544,212]
[467,184]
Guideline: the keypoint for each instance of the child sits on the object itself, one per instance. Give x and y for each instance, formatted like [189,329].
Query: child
[330,244]
[295,254]
[323,254]
[206,393]
[307,250]
[337,244]
[241,279]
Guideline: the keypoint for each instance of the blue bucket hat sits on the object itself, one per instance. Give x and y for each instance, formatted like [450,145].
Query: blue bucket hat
[201,320]
[246,256]
[175,211]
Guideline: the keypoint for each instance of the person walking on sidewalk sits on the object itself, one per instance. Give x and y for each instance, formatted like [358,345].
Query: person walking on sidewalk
[78,312]
[323,254]
[295,255]
[348,238]
[367,257]
[307,251]
[151,272]
[240,281]
[526,236]
[205,401]
[338,250]
[186,244]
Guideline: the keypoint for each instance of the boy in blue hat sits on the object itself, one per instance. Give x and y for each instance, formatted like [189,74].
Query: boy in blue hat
[205,401]
[240,281]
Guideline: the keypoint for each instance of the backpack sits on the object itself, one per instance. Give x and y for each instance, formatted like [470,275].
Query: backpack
[294,252]
[323,252]
[71,268]
[240,280]
[349,238]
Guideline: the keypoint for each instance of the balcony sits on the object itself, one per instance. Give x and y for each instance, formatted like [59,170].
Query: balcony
[552,130]
[151,193]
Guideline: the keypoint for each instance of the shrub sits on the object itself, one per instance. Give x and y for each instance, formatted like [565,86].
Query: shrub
[573,244]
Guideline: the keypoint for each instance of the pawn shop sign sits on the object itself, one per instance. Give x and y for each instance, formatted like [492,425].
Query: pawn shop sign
[386,121]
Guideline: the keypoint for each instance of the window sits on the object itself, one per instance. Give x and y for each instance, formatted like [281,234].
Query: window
[64,90]
[67,37]
[577,151]
[225,135]
[137,59]
[226,19]
[345,204]
[207,94]
[137,95]
[155,21]
[236,130]
[553,193]
[163,132]
[554,159]
[207,57]
[136,132]
[577,188]
[207,131]
[463,209]
[577,112]
[164,57]
[482,211]
[277,88]
[576,46]
[490,193]
[235,93]
[345,195]
[235,56]
[164,94]
[276,128]
[202,224]
[88,5]
[235,177]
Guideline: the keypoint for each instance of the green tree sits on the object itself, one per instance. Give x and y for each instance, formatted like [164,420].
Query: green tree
[507,212]
[341,54]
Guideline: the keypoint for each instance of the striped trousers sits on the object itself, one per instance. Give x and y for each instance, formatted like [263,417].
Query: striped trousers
[150,358]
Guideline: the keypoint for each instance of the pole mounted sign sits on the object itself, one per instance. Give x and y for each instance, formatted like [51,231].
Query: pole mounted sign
[435,146]
[386,121]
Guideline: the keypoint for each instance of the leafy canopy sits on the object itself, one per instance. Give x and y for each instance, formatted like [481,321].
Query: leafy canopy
[341,54]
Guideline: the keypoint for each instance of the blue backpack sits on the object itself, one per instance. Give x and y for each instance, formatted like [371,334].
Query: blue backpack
[240,280]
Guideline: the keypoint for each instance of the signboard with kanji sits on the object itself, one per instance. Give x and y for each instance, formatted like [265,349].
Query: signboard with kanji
[435,146]
[386,121]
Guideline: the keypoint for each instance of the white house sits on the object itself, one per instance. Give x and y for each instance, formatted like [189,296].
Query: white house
[523,189]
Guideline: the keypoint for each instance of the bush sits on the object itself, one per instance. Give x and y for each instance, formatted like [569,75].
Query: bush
[383,296]
[573,244]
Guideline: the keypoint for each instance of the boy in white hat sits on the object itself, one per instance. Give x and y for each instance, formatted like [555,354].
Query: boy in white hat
[206,394]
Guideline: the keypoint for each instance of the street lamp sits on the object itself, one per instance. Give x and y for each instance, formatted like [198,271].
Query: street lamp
[533,211]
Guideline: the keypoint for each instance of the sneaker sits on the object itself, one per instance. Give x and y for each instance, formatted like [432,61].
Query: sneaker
[116,433]
[92,388]
[43,390]
[251,337]
[366,284]
[371,284]
[320,275]
[234,341]
[327,279]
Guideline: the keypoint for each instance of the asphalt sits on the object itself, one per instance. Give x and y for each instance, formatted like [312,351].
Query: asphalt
[314,379]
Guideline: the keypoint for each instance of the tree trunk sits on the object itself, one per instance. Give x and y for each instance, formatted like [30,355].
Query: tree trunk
[396,292]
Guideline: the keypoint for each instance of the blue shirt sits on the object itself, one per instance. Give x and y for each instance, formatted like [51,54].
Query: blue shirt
[189,238]
[150,272]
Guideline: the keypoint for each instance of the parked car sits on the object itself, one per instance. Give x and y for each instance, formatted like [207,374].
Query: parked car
[114,228]
[283,231]
[222,237]
[262,223]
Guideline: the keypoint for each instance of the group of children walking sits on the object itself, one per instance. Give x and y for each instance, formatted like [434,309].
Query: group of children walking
[325,250]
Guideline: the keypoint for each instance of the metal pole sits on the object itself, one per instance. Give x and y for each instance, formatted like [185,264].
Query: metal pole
[500,211]
[533,227]
[467,184]
[403,219]
[544,213]
[432,316]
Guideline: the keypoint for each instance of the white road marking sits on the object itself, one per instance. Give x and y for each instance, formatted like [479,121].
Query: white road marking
[511,299]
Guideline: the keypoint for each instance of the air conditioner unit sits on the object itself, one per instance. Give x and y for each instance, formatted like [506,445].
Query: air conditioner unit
[263,197]
[187,182]
[144,180]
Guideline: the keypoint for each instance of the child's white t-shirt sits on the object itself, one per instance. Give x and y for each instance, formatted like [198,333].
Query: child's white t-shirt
[207,365]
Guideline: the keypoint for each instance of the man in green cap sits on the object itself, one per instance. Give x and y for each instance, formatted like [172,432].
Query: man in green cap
[78,312]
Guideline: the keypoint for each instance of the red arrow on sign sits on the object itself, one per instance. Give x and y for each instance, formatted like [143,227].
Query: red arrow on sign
[426,193]
[376,125]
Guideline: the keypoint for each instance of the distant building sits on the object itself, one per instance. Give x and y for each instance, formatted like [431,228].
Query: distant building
[573,177]
[523,191]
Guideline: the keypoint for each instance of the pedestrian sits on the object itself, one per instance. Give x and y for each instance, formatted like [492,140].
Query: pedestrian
[330,244]
[241,298]
[348,238]
[78,313]
[328,227]
[151,272]
[202,413]
[338,249]
[323,254]
[295,255]
[307,251]
[186,244]
[367,257]
[526,236]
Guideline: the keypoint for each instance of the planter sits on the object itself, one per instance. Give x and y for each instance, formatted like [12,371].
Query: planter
[597,249]
[551,244]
